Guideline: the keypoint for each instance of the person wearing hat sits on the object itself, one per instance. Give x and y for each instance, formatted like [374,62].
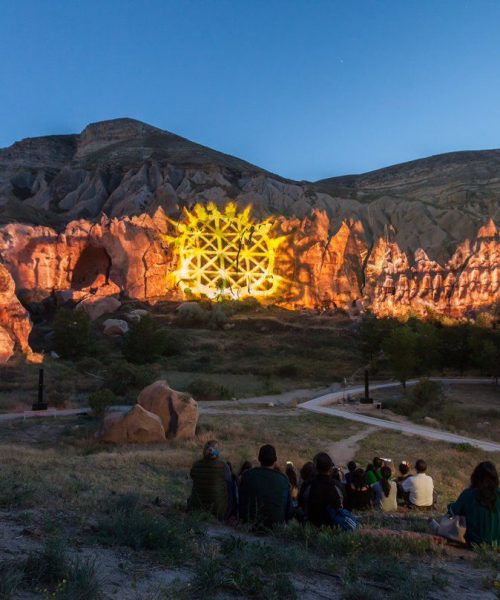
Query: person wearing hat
[264,492]
[323,492]
[212,483]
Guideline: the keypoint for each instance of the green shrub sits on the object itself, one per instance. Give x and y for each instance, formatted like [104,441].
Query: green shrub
[83,582]
[206,389]
[99,401]
[49,565]
[287,370]
[122,377]
[73,336]
[10,580]
[144,342]
[174,342]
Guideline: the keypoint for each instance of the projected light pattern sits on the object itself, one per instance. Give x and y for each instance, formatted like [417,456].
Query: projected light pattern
[225,254]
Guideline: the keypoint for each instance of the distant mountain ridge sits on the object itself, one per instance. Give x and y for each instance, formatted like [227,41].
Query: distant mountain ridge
[126,167]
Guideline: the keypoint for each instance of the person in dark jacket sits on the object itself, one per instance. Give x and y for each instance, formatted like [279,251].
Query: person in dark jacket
[324,495]
[351,467]
[265,492]
[212,483]
[307,475]
[480,505]
[359,493]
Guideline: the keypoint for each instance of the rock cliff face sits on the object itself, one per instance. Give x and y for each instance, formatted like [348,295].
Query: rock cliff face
[15,324]
[86,214]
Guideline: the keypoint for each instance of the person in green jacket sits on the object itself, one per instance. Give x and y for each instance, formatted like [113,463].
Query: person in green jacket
[264,493]
[373,473]
[480,505]
[212,483]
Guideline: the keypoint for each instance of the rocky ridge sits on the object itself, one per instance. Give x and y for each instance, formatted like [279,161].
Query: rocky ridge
[87,215]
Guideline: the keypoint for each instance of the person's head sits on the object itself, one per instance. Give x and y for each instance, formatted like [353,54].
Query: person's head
[369,467]
[377,463]
[385,482]
[247,465]
[351,466]
[359,479]
[336,474]
[421,466]
[308,471]
[323,463]
[267,455]
[211,450]
[404,468]
[484,479]
[291,473]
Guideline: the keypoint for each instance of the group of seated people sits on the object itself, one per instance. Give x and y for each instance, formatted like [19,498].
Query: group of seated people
[265,496]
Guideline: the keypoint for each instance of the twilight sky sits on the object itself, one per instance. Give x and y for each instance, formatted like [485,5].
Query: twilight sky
[304,88]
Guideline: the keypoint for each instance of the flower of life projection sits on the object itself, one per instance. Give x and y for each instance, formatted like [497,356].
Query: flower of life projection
[225,254]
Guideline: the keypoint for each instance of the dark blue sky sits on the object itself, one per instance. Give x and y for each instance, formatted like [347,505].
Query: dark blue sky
[307,89]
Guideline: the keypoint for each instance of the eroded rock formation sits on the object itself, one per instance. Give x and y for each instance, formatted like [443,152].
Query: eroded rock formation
[15,324]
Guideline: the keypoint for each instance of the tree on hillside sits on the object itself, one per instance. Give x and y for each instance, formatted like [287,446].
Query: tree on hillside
[144,341]
[400,348]
[72,333]
[485,353]
[372,331]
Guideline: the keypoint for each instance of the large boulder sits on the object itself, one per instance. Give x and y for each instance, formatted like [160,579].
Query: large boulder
[177,411]
[115,327]
[6,345]
[137,426]
[96,306]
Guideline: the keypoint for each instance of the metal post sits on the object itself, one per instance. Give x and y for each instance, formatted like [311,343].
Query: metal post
[367,386]
[40,404]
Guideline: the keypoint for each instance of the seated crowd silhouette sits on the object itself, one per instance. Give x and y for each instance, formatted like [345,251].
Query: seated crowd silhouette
[320,494]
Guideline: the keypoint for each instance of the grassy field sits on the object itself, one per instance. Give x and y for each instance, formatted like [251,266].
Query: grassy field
[111,520]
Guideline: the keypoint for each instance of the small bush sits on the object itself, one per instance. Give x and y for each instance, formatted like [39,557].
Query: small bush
[122,377]
[173,343]
[206,389]
[83,582]
[192,314]
[144,342]
[49,565]
[99,401]
[14,493]
[73,336]
[10,580]
[287,370]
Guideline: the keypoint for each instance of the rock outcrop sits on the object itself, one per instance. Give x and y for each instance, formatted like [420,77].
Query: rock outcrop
[15,322]
[137,426]
[178,411]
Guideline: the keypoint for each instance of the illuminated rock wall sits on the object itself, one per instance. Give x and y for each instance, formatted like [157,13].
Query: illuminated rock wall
[318,264]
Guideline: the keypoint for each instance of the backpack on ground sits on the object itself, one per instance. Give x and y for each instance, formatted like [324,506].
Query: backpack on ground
[343,519]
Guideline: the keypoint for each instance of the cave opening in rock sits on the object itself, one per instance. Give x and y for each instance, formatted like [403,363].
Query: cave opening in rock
[92,268]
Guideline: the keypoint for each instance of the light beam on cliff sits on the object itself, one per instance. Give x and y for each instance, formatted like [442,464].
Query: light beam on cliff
[225,254]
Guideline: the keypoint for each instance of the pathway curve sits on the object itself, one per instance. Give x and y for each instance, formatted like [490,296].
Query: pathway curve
[345,450]
[318,405]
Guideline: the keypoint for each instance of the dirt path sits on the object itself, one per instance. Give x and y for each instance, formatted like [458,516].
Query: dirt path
[319,405]
[345,450]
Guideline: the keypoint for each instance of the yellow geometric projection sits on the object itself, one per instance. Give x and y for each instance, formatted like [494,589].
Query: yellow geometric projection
[225,254]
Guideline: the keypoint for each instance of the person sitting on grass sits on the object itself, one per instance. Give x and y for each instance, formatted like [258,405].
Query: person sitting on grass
[323,493]
[291,474]
[374,474]
[265,492]
[246,466]
[404,473]
[480,505]
[351,468]
[359,493]
[419,487]
[212,483]
[307,475]
[386,492]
